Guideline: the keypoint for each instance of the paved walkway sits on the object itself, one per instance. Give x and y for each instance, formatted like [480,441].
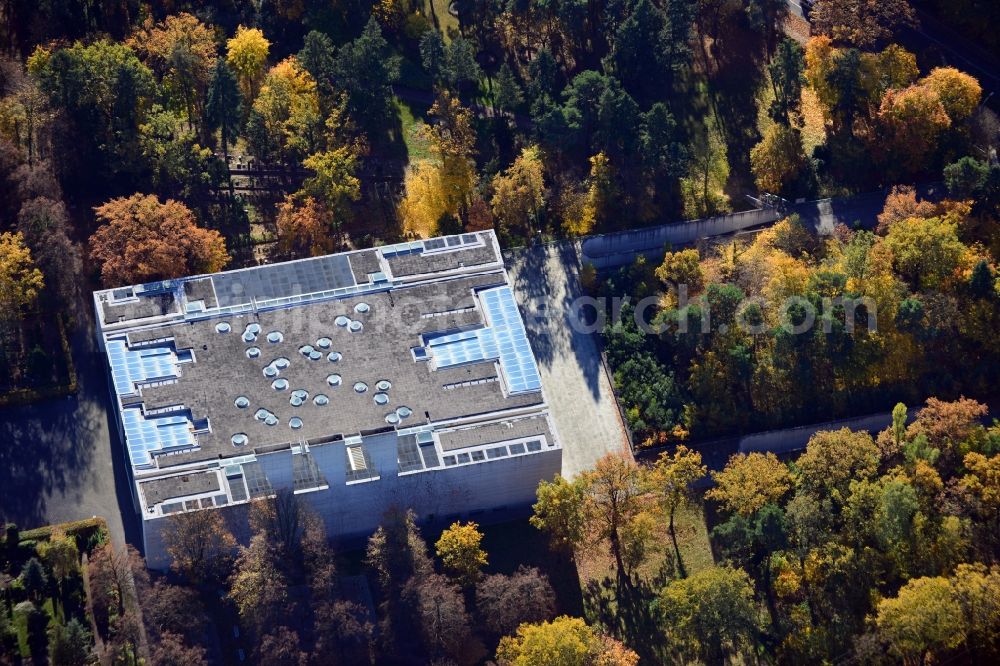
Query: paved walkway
[575,384]
[58,459]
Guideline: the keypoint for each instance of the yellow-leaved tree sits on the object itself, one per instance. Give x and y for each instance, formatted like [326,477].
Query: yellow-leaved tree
[288,112]
[461,552]
[442,187]
[247,53]
[519,192]
[20,280]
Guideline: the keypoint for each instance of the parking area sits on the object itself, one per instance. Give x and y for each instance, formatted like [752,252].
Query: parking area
[574,381]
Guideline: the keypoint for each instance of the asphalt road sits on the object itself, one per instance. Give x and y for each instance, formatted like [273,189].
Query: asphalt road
[59,460]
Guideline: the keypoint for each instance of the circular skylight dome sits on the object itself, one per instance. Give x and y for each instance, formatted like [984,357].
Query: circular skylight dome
[381,398]
[334,356]
[240,439]
[320,400]
[271,420]
[295,423]
[404,412]
[253,352]
[279,384]
[356,326]
[383,385]
[392,418]
[302,393]
[341,321]
[360,387]
[324,343]
[242,402]
[223,327]
[253,329]
[305,350]
[295,401]
[315,355]
[270,371]
[274,337]
[333,380]
[362,308]
[262,414]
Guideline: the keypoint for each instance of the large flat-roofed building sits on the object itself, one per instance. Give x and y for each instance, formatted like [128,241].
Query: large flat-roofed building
[395,376]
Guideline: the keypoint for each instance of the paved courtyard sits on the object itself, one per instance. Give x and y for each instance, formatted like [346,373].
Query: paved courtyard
[56,461]
[575,384]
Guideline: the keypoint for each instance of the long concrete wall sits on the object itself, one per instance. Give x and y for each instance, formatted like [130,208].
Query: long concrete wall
[623,247]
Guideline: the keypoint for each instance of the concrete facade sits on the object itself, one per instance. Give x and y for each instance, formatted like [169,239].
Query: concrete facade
[354,387]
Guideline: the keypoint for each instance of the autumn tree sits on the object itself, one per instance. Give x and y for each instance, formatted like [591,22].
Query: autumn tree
[173,610]
[778,162]
[20,281]
[833,459]
[749,481]
[682,267]
[247,54]
[926,252]
[861,23]
[437,607]
[923,618]
[256,586]
[565,641]
[559,512]
[285,120]
[505,602]
[711,615]
[460,552]
[305,228]
[171,650]
[519,192]
[671,479]
[442,186]
[959,93]
[613,502]
[181,50]
[143,239]
[334,181]
[44,224]
[910,124]
[195,540]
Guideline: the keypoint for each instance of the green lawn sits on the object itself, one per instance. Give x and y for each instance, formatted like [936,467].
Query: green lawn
[437,12]
[411,116]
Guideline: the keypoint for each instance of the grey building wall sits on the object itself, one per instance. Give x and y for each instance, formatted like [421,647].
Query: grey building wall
[487,492]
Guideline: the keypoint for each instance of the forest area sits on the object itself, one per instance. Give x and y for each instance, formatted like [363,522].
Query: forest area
[146,140]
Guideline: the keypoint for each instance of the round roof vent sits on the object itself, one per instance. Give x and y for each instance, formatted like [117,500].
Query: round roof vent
[324,343]
[321,400]
[334,356]
[274,337]
[362,308]
[270,371]
[242,402]
[392,418]
[333,380]
[404,412]
[253,352]
[281,363]
[381,398]
[295,423]
[271,420]
[279,384]
[240,439]
[223,327]
[341,321]
[360,387]
[315,355]
[356,326]
[383,385]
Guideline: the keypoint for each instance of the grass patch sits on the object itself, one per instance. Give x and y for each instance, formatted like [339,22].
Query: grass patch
[411,117]
[437,12]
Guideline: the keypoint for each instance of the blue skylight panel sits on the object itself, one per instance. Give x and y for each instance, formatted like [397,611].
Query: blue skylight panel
[133,366]
[145,436]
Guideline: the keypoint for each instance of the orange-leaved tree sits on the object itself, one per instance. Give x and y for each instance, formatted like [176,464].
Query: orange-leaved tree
[143,239]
